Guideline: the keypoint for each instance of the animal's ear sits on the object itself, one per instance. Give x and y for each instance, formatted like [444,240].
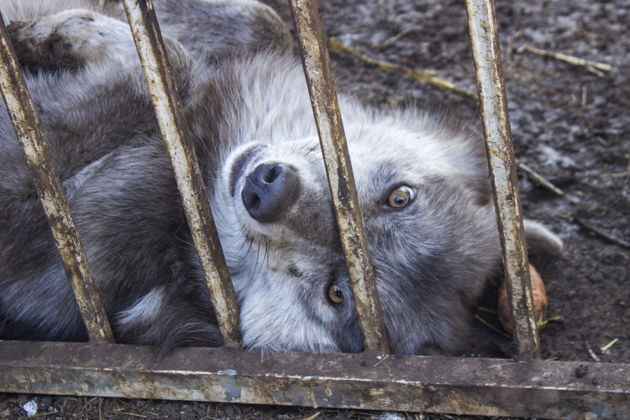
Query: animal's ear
[541,241]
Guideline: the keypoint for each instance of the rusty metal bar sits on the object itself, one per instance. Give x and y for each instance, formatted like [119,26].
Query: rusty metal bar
[487,56]
[492,387]
[323,96]
[40,164]
[150,46]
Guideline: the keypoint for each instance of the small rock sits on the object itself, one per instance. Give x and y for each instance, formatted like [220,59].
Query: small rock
[30,408]
[391,416]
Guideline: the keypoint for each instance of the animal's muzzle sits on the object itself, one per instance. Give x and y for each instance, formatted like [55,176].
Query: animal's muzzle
[270,190]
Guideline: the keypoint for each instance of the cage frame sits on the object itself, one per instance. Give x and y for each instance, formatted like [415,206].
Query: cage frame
[523,386]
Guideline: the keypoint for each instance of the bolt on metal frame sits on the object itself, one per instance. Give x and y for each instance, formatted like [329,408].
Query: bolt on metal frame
[525,386]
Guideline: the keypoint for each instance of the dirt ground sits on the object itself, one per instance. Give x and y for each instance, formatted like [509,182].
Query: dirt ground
[570,123]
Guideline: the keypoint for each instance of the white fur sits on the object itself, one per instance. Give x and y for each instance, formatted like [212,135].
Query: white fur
[144,310]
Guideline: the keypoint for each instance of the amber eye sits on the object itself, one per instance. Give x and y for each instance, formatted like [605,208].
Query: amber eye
[401,196]
[335,295]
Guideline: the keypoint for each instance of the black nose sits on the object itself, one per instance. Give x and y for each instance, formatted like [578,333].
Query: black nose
[269,190]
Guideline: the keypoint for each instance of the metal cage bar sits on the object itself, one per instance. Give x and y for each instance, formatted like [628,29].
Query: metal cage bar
[150,45]
[40,164]
[482,27]
[321,86]
[493,387]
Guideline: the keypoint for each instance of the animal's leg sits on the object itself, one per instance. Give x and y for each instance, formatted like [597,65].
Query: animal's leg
[72,39]
[97,96]
[81,38]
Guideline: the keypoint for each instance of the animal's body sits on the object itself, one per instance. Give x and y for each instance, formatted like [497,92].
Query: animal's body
[422,185]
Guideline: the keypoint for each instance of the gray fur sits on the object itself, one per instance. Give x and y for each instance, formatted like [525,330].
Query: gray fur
[241,94]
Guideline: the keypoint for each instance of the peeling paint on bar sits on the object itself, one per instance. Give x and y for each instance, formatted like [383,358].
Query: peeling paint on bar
[490,387]
[487,56]
[338,168]
[39,161]
[151,50]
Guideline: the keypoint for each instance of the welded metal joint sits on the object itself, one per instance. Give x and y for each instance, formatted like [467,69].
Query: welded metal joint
[321,86]
[55,204]
[487,57]
[152,52]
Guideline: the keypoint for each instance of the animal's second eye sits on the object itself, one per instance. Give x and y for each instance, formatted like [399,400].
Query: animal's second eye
[335,295]
[401,196]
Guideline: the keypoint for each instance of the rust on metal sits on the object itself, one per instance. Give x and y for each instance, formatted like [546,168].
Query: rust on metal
[323,96]
[491,387]
[150,46]
[485,45]
[39,161]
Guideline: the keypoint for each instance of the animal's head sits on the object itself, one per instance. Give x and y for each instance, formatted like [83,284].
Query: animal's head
[425,201]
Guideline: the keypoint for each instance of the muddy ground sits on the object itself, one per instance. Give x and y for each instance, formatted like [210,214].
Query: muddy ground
[570,123]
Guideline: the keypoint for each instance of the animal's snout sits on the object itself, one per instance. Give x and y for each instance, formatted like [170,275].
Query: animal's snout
[269,190]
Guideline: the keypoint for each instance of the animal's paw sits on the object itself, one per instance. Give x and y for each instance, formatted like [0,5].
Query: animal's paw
[542,241]
[70,40]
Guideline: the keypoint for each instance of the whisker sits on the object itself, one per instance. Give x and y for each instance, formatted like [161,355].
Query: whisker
[266,256]
[254,271]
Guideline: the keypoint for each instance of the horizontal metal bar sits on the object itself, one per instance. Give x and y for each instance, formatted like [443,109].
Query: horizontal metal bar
[493,387]
[40,164]
[323,96]
[150,46]
[483,30]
